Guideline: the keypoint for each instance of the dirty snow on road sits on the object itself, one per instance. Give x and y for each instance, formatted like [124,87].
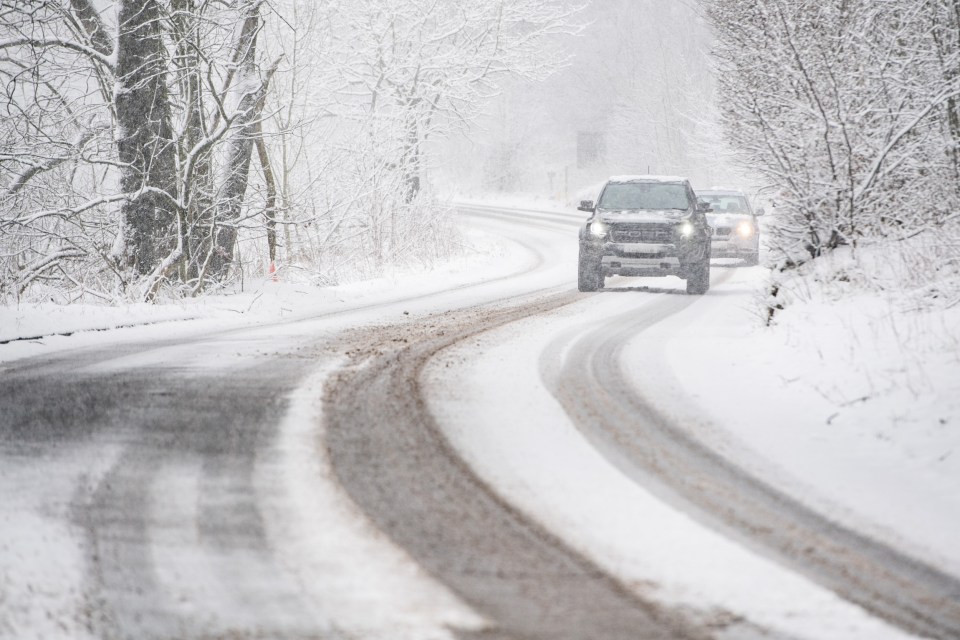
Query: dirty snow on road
[492,398]
[750,392]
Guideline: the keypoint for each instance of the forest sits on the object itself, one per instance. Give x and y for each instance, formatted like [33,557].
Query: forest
[173,146]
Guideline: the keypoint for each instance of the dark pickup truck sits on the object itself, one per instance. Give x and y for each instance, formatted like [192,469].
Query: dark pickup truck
[645,226]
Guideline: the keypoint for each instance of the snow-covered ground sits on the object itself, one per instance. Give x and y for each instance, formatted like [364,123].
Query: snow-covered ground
[851,402]
[361,584]
[35,328]
[854,401]
[524,445]
[848,401]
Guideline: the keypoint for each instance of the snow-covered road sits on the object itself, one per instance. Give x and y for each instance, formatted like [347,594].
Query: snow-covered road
[470,456]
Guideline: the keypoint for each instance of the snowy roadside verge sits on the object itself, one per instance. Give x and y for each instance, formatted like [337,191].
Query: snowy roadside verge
[37,321]
[489,398]
[850,404]
[518,203]
[32,329]
[363,585]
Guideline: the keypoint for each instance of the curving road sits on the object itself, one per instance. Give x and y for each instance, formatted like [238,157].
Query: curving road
[608,407]
[395,463]
[137,478]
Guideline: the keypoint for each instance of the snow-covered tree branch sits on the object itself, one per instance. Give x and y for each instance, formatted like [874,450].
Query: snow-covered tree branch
[129,131]
[849,108]
[115,115]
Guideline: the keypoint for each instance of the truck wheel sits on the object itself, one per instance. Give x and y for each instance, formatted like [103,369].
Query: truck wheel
[589,276]
[751,260]
[698,280]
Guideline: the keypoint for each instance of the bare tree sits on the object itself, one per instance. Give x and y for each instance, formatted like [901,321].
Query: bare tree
[849,109]
[129,133]
[836,103]
[430,66]
[145,144]
[244,109]
[57,71]
[370,84]
[115,122]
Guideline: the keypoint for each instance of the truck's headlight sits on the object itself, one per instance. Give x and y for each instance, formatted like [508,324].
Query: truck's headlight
[745,229]
[598,229]
[686,229]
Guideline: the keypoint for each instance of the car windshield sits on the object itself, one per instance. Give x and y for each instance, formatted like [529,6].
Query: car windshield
[727,204]
[644,195]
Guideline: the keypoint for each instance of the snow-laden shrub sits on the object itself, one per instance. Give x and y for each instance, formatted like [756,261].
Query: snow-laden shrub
[850,109]
[157,148]
[916,274]
[369,87]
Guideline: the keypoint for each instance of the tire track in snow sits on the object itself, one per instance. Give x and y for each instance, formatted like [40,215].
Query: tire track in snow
[217,579]
[612,413]
[395,463]
[208,426]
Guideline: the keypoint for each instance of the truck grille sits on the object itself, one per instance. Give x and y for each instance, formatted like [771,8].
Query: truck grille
[722,231]
[641,233]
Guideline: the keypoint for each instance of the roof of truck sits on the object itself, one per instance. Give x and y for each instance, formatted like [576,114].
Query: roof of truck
[647,178]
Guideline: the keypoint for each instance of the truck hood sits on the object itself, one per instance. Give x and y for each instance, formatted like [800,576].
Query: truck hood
[642,215]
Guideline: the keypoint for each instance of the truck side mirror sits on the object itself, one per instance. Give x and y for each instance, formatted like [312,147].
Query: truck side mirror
[759,212]
[704,207]
[587,205]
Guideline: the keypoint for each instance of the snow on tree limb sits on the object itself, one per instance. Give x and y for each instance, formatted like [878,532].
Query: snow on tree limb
[131,139]
[851,110]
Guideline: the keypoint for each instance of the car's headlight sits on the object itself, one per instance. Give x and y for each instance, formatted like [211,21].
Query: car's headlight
[686,229]
[745,229]
[598,229]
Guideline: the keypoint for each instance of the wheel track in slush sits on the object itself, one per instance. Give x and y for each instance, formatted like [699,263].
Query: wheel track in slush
[392,459]
[609,409]
[206,426]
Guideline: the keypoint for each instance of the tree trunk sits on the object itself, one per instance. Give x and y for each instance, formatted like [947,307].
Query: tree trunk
[250,89]
[271,184]
[199,214]
[144,137]
[100,38]
[411,157]
[233,173]
[953,106]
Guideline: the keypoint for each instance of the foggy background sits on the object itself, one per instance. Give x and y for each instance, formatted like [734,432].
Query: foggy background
[635,96]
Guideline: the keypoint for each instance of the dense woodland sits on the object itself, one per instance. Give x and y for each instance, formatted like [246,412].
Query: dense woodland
[152,145]
[850,112]
[168,147]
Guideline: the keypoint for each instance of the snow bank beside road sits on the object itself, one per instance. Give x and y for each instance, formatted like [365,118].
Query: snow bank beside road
[32,321]
[33,329]
[358,579]
[490,399]
[853,403]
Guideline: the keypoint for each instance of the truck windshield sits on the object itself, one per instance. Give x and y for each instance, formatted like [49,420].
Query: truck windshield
[644,195]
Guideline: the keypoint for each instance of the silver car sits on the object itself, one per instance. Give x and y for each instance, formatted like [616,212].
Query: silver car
[733,221]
